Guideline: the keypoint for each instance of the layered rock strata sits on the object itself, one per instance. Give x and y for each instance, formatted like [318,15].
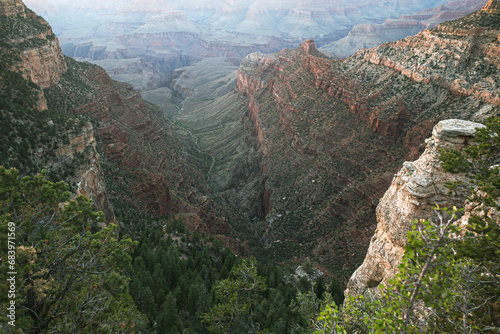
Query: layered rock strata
[89,179]
[332,133]
[415,190]
[493,6]
[31,36]
[40,61]
[370,35]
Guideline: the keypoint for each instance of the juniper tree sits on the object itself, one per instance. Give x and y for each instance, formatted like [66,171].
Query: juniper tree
[68,279]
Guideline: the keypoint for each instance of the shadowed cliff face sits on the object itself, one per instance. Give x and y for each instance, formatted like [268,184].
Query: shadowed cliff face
[332,133]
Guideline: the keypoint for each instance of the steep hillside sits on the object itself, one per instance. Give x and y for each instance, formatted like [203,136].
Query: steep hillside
[212,117]
[97,134]
[333,133]
[34,137]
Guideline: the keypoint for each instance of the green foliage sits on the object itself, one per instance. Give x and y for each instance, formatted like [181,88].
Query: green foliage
[423,277]
[30,138]
[68,278]
[236,296]
[308,305]
[191,268]
[24,31]
[422,285]
[480,161]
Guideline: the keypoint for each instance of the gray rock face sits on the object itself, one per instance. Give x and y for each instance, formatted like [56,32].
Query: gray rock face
[415,189]
[455,130]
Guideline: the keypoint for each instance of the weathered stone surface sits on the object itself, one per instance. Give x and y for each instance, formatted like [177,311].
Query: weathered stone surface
[44,65]
[41,58]
[452,56]
[370,35]
[93,185]
[415,189]
[493,6]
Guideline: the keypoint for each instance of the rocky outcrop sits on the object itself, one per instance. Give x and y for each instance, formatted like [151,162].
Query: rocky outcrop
[42,61]
[455,52]
[89,179]
[93,185]
[493,6]
[44,65]
[414,191]
[460,56]
[68,151]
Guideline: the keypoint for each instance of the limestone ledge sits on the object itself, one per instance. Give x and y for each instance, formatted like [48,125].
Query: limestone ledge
[415,189]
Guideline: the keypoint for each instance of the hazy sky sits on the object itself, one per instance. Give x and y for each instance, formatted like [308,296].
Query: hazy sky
[99,3]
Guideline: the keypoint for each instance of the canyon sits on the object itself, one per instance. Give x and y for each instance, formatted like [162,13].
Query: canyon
[162,36]
[329,135]
[332,133]
[370,35]
[284,155]
[98,134]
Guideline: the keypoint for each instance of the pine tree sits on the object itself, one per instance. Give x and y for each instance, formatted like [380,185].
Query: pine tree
[237,297]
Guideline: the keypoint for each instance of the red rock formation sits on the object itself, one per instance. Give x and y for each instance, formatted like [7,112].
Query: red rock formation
[153,191]
[41,59]
[332,132]
[132,137]
[44,65]
[493,7]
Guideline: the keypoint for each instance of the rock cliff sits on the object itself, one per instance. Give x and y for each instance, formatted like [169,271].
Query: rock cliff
[41,58]
[415,190]
[332,133]
[130,133]
[493,6]
[64,146]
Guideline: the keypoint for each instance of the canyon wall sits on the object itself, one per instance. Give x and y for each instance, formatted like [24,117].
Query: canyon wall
[98,135]
[40,60]
[370,35]
[332,133]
